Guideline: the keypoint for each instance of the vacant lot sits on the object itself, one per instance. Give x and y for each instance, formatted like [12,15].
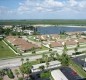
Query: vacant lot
[5,51]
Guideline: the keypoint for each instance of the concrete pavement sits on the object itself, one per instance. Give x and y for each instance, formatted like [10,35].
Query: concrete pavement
[17,61]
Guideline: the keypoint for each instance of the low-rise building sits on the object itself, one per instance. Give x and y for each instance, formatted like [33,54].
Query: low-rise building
[20,43]
[65,73]
[30,32]
[52,64]
[58,75]
[7,26]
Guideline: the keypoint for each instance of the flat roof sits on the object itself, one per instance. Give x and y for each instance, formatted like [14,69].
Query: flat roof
[52,64]
[58,75]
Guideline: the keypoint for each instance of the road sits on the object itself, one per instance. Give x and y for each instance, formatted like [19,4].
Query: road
[17,61]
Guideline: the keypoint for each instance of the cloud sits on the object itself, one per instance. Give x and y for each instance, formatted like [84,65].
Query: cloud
[51,5]
[73,3]
[44,6]
[76,5]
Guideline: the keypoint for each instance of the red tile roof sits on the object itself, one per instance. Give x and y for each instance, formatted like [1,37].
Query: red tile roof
[21,43]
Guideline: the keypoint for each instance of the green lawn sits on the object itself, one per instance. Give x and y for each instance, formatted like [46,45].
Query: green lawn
[5,51]
[78,69]
[32,38]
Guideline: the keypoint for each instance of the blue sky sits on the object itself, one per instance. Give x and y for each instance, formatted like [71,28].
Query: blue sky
[42,9]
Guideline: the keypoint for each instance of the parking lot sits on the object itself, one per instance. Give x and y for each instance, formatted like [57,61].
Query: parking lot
[36,76]
[80,60]
[70,74]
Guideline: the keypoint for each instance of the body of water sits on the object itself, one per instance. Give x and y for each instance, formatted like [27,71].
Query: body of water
[57,30]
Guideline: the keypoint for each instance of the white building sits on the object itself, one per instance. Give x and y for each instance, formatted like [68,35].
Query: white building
[17,29]
[7,26]
[58,75]
[30,32]
[52,64]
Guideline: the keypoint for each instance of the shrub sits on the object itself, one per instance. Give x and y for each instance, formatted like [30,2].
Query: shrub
[1,78]
[45,74]
[10,74]
[20,78]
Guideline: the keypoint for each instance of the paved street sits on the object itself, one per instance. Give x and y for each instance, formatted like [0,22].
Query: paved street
[17,61]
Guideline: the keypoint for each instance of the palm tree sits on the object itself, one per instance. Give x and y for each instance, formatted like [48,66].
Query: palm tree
[65,48]
[78,45]
[43,57]
[65,59]
[27,60]
[77,36]
[52,56]
[41,68]
[22,60]
[33,51]
[47,64]
[57,56]
[50,47]
[75,49]
[46,58]
[17,72]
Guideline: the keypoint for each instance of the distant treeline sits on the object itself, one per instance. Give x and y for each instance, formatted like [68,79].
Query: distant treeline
[38,21]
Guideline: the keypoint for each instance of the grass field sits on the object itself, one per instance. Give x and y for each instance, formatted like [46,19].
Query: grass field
[5,51]
[46,21]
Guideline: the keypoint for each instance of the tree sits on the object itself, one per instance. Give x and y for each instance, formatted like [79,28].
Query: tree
[52,56]
[27,60]
[65,59]
[65,48]
[78,45]
[2,73]
[75,49]
[46,58]
[22,60]
[45,75]
[25,69]
[20,78]
[77,36]
[7,31]
[33,51]
[47,64]
[57,56]
[50,49]
[17,72]
[10,74]
[41,68]
[43,57]
[1,78]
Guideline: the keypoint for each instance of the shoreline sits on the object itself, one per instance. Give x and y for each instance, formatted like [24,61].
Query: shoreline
[42,25]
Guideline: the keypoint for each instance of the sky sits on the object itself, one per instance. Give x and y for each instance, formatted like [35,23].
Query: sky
[42,9]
